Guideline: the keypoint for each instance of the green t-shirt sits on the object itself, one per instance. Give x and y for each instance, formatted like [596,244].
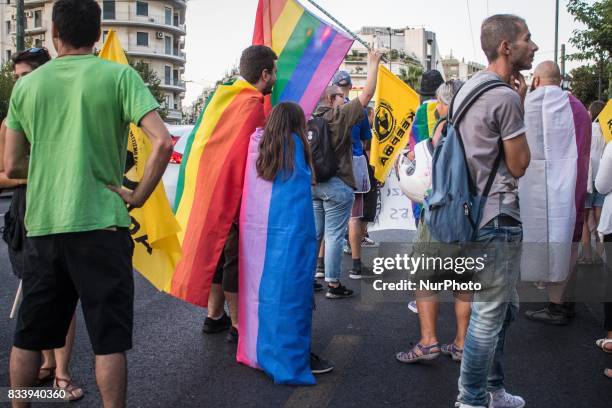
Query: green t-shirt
[75,111]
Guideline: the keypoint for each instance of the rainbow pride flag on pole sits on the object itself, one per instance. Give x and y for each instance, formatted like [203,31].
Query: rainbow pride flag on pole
[278,249]
[309,50]
[424,123]
[210,185]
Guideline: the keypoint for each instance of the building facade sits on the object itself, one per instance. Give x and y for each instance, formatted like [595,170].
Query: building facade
[150,31]
[405,47]
[455,69]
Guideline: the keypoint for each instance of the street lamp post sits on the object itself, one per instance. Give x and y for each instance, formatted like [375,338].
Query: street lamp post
[556,30]
[20,17]
[390,48]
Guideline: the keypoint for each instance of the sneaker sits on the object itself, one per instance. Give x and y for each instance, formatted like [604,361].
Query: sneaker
[338,292]
[462,405]
[320,366]
[367,242]
[501,399]
[412,305]
[551,314]
[232,335]
[317,286]
[216,326]
[363,273]
[346,248]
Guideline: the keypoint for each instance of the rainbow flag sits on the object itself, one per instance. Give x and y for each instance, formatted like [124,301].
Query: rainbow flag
[309,50]
[424,123]
[278,249]
[210,184]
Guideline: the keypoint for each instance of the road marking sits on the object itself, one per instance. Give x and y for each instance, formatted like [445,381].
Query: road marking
[341,350]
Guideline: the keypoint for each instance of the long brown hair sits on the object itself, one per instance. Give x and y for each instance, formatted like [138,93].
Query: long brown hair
[277,149]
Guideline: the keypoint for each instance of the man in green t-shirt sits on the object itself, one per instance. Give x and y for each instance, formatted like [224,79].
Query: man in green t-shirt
[75,113]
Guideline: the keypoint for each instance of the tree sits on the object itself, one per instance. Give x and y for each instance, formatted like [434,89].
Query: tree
[411,75]
[594,43]
[585,81]
[152,81]
[6,87]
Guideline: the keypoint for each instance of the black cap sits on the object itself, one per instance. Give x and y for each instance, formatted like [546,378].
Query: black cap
[430,81]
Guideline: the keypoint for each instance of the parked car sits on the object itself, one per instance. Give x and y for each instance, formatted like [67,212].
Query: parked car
[180,134]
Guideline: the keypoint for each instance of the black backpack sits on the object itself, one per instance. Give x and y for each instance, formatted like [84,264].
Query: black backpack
[324,158]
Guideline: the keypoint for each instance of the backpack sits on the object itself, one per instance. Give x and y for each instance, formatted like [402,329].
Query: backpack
[324,160]
[453,209]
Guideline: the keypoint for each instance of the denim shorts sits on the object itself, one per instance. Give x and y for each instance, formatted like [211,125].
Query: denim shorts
[594,200]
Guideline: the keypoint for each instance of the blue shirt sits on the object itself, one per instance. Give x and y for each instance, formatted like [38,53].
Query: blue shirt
[360,132]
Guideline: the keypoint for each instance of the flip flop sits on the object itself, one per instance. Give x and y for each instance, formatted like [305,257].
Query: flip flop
[601,344]
[74,392]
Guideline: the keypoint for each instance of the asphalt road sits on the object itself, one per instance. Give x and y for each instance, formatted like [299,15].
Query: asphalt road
[173,364]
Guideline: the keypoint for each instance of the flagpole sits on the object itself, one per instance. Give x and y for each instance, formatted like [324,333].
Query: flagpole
[17,302]
[332,18]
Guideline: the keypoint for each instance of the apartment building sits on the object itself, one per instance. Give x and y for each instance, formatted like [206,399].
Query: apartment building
[151,31]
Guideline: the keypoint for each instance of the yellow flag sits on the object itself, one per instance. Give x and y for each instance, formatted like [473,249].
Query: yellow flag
[396,105]
[154,228]
[605,121]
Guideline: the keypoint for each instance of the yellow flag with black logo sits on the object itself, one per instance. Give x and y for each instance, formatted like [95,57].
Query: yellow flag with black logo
[154,228]
[605,121]
[396,105]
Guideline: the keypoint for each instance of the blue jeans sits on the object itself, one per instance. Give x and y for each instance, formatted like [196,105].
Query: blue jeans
[332,202]
[493,309]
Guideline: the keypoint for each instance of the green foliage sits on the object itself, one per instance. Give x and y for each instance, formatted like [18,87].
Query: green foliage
[153,83]
[411,75]
[585,82]
[6,87]
[595,41]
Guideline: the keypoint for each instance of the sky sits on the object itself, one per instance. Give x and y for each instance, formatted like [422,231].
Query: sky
[218,31]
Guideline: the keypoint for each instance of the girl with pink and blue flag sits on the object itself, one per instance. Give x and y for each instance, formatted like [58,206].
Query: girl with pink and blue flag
[278,248]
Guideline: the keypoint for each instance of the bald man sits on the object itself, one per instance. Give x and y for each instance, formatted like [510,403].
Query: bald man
[553,191]
[546,74]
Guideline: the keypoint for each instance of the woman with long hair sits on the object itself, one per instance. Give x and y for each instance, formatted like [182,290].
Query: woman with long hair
[278,248]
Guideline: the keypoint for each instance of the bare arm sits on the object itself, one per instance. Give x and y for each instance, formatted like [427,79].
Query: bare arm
[6,182]
[370,87]
[517,155]
[161,149]
[15,155]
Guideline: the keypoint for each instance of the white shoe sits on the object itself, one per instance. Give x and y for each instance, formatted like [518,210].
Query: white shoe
[412,305]
[462,405]
[319,274]
[501,399]
[369,243]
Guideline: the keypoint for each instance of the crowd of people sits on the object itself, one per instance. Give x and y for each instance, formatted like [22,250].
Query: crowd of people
[71,243]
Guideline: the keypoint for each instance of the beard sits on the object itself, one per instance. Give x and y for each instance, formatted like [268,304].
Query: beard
[268,89]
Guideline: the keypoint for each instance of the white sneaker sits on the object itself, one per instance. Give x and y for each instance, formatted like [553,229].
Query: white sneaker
[369,243]
[319,274]
[501,399]
[412,305]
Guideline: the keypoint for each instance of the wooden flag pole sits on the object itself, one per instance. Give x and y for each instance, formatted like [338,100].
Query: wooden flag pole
[17,302]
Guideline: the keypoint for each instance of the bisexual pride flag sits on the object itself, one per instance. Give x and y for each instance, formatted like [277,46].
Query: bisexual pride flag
[309,50]
[278,249]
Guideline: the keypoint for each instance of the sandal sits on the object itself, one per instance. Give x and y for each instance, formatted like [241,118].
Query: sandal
[73,392]
[601,343]
[608,372]
[45,374]
[418,353]
[452,350]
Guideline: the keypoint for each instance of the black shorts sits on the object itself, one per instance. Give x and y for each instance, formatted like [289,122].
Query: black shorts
[227,268]
[93,266]
[370,199]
